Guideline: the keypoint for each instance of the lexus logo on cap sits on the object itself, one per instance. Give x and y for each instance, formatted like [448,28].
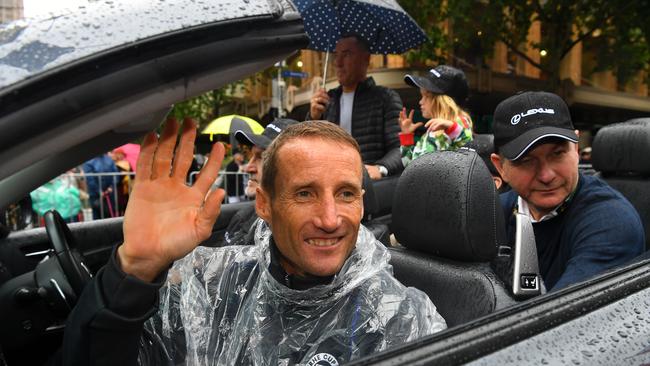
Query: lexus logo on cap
[517,117]
[434,72]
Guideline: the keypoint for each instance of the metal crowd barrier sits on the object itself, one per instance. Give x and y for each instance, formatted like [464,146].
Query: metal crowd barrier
[112,200]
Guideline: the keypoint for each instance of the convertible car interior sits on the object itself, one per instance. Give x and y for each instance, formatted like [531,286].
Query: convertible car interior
[443,211]
[440,219]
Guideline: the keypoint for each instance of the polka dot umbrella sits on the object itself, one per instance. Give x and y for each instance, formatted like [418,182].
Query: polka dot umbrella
[383,23]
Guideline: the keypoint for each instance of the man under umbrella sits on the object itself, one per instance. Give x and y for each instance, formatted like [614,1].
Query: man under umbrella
[355,29]
[369,112]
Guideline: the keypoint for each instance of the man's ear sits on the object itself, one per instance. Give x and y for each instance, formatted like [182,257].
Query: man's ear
[496,160]
[263,205]
[498,182]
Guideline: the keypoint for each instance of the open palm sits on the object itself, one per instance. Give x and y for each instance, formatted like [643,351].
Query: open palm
[165,218]
[406,122]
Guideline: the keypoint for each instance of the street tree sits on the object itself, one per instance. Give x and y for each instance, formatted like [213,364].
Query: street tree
[615,31]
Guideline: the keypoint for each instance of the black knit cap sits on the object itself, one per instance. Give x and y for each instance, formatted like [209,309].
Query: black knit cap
[525,119]
[445,80]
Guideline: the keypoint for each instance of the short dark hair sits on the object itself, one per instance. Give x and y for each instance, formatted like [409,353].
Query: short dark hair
[362,42]
[316,129]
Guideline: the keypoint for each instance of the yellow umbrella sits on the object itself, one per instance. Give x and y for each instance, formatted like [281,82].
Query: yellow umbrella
[226,125]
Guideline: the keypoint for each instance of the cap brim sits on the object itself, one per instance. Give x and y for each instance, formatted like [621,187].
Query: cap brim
[420,82]
[249,138]
[516,148]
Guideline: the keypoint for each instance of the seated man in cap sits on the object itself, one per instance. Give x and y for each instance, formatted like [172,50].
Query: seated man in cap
[316,288]
[239,230]
[582,226]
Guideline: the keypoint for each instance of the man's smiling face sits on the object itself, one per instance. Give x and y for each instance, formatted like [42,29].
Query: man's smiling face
[316,209]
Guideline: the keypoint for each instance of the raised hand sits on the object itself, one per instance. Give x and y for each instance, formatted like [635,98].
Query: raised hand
[165,218]
[318,104]
[406,123]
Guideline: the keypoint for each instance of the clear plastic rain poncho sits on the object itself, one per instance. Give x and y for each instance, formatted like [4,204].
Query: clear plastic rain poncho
[221,306]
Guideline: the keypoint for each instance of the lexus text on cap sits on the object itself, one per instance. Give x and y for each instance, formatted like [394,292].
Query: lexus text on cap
[443,79]
[526,118]
[271,131]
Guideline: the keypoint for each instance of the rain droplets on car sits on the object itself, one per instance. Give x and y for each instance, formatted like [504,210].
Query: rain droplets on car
[90,27]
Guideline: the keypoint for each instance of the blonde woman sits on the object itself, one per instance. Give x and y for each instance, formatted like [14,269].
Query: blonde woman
[444,90]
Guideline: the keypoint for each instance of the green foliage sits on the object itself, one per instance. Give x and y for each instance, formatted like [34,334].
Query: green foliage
[616,31]
[429,14]
[201,108]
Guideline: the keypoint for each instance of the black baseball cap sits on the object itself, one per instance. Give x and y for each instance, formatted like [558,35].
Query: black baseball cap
[271,131]
[442,79]
[526,118]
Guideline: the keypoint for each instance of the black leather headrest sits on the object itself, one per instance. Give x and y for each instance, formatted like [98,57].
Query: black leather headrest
[482,143]
[623,148]
[446,204]
[370,205]
[484,146]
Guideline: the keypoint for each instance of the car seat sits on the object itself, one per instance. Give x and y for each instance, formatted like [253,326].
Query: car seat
[371,210]
[620,155]
[384,190]
[484,146]
[447,216]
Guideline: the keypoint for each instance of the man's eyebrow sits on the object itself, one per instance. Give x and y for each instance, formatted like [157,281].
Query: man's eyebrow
[316,184]
[350,185]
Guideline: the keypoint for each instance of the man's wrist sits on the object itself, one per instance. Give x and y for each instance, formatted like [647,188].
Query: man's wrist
[145,270]
[382,170]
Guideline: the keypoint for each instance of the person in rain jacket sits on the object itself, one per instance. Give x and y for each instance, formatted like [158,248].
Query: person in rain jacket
[444,90]
[101,188]
[316,288]
[57,194]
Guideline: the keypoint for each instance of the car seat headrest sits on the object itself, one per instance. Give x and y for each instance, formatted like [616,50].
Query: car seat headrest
[484,146]
[623,148]
[446,205]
